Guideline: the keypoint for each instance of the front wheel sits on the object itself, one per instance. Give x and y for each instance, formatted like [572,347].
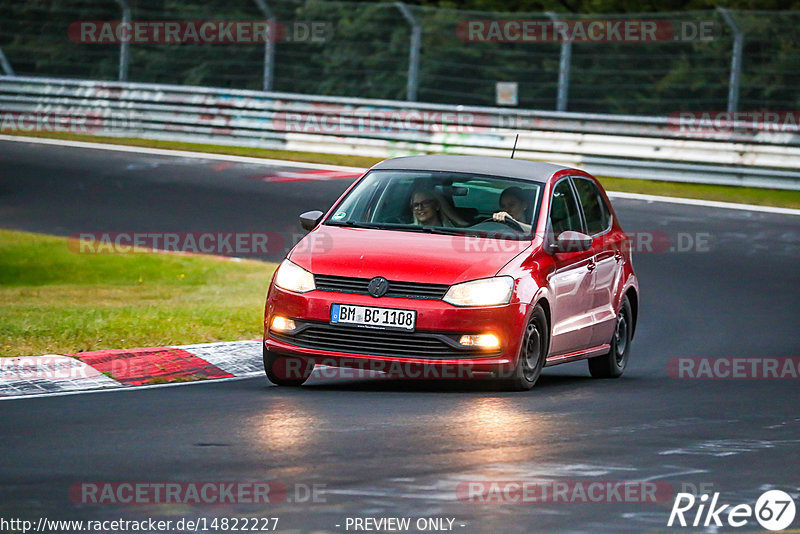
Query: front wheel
[613,364]
[286,370]
[533,353]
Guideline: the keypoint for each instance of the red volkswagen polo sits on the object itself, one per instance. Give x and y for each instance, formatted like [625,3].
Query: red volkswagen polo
[456,266]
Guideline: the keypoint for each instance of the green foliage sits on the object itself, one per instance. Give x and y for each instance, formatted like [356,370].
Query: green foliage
[366,52]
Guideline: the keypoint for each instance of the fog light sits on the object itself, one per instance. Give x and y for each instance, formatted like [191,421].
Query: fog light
[282,324]
[483,341]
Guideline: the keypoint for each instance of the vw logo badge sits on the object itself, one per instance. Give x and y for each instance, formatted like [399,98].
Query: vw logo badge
[378,286]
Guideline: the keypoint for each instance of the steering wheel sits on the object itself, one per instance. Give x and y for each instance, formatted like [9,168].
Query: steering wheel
[508,221]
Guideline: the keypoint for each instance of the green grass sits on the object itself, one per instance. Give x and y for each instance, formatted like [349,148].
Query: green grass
[745,195]
[55,300]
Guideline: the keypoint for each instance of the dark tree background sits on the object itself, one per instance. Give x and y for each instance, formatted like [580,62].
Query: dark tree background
[366,53]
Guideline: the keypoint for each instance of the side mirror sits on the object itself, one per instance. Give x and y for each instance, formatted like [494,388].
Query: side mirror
[310,219]
[570,241]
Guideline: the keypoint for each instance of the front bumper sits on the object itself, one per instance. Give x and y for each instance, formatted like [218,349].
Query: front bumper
[348,346]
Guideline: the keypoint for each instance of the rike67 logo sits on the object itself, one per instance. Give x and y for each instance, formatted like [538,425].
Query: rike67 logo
[774,510]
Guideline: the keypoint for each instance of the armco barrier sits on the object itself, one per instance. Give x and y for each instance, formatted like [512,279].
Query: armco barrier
[613,145]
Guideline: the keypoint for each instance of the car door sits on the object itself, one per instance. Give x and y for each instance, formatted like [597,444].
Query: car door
[570,282]
[606,254]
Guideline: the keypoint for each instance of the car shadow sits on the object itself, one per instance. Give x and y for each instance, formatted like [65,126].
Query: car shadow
[545,382]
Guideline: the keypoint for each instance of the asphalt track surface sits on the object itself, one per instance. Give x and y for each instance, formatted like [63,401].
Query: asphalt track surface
[390,448]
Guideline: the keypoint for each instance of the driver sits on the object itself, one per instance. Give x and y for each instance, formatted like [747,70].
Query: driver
[514,206]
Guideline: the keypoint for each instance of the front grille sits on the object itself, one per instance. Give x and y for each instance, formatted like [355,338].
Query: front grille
[408,290]
[379,342]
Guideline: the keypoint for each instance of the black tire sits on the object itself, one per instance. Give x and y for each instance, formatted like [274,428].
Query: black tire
[276,365]
[532,355]
[613,364]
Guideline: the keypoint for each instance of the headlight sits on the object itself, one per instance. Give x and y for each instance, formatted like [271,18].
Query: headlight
[486,292]
[292,277]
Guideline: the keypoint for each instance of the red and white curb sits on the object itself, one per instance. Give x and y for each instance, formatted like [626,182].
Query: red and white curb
[106,369]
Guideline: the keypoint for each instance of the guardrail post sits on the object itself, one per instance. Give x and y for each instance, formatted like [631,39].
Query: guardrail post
[413,52]
[736,59]
[269,45]
[7,70]
[564,62]
[124,47]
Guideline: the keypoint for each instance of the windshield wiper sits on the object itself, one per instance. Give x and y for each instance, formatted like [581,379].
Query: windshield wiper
[406,227]
[378,226]
[450,231]
[354,224]
[419,228]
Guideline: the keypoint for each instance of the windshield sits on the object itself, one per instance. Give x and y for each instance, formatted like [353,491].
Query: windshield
[441,202]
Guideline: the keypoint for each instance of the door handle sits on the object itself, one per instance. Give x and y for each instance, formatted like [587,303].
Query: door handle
[618,256]
[591,266]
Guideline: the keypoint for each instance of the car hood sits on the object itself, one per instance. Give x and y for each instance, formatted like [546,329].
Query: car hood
[403,256]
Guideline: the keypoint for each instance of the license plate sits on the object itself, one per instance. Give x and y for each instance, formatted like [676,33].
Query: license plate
[373,317]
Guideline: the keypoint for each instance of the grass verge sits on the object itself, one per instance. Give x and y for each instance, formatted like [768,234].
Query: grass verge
[54,300]
[744,195]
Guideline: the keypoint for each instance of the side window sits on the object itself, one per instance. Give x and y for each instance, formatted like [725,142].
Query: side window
[564,209]
[594,209]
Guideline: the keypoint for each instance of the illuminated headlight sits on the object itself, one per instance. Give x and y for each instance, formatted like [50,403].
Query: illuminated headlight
[292,277]
[486,292]
[282,324]
[483,341]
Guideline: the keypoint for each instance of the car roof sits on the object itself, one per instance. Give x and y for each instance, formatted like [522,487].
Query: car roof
[534,171]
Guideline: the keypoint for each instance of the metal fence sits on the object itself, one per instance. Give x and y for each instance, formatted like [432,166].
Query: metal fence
[703,60]
[611,145]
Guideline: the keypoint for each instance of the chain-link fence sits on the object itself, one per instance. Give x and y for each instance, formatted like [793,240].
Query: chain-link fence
[643,64]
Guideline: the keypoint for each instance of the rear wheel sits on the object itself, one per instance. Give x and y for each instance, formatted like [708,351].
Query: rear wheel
[286,370]
[613,364]
[533,353]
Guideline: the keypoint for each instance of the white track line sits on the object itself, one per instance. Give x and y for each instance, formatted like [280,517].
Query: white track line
[133,388]
[286,163]
[704,203]
[177,153]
